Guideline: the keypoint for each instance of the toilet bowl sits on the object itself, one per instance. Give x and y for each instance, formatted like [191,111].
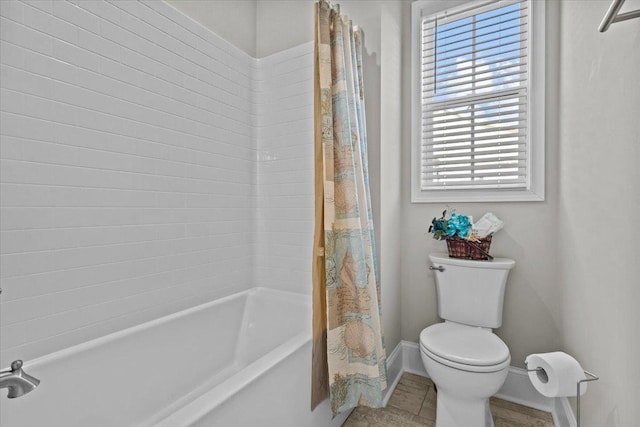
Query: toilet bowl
[468,365]
[464,358]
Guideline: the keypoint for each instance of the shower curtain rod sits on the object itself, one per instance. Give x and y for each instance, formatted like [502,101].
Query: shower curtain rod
[612,16]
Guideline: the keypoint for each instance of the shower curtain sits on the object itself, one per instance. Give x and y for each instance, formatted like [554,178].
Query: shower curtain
[348,348]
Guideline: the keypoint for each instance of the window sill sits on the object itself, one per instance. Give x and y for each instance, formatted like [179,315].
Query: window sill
[462,196]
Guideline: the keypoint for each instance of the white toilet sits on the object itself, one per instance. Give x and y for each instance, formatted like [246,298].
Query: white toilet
[464,358]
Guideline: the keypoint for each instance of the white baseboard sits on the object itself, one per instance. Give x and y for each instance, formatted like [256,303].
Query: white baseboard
[411,360]
[394,372]
[517,388]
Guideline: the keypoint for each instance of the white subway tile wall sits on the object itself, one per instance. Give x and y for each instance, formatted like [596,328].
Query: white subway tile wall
[284,110]
[128,169]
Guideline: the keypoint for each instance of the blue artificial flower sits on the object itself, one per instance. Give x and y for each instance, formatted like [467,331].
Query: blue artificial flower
[451,228]
[438,224]
[458,224]
[438,228]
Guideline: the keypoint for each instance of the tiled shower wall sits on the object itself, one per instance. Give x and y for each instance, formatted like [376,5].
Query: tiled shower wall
[284,101]
[128,169]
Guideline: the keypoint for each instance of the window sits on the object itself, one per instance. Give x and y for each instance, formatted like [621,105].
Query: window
[478,101]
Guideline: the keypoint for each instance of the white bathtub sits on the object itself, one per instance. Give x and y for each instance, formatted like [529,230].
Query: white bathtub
[242,360]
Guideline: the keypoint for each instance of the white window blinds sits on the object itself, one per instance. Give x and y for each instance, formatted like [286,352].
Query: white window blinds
[475,97]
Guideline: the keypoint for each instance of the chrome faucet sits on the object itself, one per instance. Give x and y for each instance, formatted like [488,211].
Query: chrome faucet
[17,381]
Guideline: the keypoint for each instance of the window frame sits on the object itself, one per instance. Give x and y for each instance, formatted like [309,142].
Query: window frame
[535,188]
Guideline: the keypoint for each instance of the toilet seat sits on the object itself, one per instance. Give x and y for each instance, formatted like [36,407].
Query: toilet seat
[464,347]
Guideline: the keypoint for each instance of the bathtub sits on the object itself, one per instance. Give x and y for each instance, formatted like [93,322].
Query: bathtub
[241,360]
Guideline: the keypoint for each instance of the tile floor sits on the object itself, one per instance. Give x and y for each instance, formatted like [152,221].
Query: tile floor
[413,404]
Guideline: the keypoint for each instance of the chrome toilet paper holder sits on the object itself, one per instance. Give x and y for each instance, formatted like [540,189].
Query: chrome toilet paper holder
[593,377]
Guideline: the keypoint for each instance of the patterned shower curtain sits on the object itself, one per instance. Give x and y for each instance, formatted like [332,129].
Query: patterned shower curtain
[348,354]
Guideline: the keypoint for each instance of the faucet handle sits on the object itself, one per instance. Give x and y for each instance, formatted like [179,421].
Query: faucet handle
[17,381]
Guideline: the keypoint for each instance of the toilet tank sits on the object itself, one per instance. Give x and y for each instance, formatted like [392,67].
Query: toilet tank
[471,292]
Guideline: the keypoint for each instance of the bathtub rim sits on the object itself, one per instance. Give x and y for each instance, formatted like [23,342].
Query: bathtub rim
[113,336]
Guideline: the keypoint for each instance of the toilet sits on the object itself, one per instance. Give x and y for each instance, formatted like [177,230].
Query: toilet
[463,357]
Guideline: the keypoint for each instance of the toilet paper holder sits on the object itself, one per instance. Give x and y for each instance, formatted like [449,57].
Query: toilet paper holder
[593,377]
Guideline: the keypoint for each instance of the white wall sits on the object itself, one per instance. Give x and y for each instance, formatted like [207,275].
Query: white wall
[599,207]
[282,24]
[284,100]
[389,171]
[128,168]
[147,166]
[233,20]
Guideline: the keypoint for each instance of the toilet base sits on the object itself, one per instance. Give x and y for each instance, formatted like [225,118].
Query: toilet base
[454,412]
[463,396]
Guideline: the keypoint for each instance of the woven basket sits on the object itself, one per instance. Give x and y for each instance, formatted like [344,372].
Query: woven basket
[461,248]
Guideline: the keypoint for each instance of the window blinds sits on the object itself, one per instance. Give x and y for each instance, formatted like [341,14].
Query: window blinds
[475,97]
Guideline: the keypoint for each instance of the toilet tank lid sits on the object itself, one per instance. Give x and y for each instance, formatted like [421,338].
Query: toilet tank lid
[496,263]
[464,344]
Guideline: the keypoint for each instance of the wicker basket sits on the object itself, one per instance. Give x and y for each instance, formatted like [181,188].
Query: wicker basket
[461,248]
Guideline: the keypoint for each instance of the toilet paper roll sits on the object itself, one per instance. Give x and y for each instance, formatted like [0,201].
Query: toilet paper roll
[559,375]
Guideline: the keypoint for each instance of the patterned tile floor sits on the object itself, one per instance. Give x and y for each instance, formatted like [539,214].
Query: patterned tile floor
[413,404]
